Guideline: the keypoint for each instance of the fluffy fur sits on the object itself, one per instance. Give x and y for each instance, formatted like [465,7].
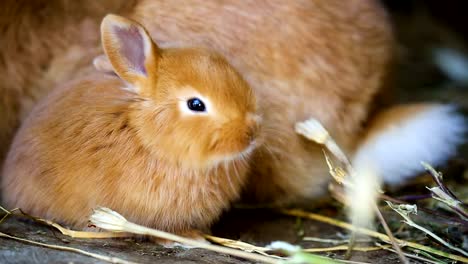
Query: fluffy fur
[393,146]
[322,59]
[100,141]
[44,43]
[403,136]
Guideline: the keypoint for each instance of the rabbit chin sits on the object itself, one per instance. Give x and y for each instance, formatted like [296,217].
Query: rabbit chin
[240,155]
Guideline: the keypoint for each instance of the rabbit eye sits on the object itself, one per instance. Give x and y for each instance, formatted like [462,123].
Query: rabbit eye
[196,105]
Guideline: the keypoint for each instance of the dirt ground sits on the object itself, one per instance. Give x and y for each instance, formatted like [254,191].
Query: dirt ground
[259,227]
[255,226]
[418,78]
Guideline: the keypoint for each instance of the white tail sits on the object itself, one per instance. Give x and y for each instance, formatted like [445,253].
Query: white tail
[400,138]
[396,142]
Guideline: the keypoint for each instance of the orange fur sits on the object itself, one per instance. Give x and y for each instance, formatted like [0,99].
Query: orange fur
[100,142]
[44,43]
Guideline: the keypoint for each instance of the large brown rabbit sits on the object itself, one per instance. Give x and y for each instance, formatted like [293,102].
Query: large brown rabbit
[324,59]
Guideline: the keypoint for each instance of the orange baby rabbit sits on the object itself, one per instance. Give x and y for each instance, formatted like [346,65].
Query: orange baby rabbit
[164,143]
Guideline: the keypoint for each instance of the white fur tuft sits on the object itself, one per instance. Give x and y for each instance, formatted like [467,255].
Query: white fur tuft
[432,135]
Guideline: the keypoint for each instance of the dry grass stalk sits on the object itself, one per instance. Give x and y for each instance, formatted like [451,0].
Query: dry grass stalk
[313,130]
[431,257]
[371,233]
[262,250]
[333,241]
[70,249]
[240,245]
[444,195]
[405,210]
[363,186]
[392,238]
[342,248]
[110,220]
[7,213]
[63,230]
[81,234]
[412,255]
[299,256]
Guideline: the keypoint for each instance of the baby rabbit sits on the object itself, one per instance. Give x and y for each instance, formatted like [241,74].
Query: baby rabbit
[164,142]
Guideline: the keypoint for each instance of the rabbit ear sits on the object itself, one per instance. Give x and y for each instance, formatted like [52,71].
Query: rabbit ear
[130,50]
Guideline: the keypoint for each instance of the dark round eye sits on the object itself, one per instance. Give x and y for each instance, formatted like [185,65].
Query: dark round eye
[196,104]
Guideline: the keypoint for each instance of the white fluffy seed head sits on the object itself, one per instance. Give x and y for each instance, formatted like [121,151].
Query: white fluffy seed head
[362,195]
[107,219]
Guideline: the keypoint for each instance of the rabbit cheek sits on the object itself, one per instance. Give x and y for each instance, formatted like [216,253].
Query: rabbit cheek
[230,142]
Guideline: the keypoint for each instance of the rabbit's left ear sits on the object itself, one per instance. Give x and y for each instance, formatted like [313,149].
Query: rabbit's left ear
[130,50]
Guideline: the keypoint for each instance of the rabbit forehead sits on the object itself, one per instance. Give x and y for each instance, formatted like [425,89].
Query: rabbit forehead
[207,73]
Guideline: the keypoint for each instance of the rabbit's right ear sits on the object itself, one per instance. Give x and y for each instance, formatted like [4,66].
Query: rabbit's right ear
[102,64]
[130,50]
